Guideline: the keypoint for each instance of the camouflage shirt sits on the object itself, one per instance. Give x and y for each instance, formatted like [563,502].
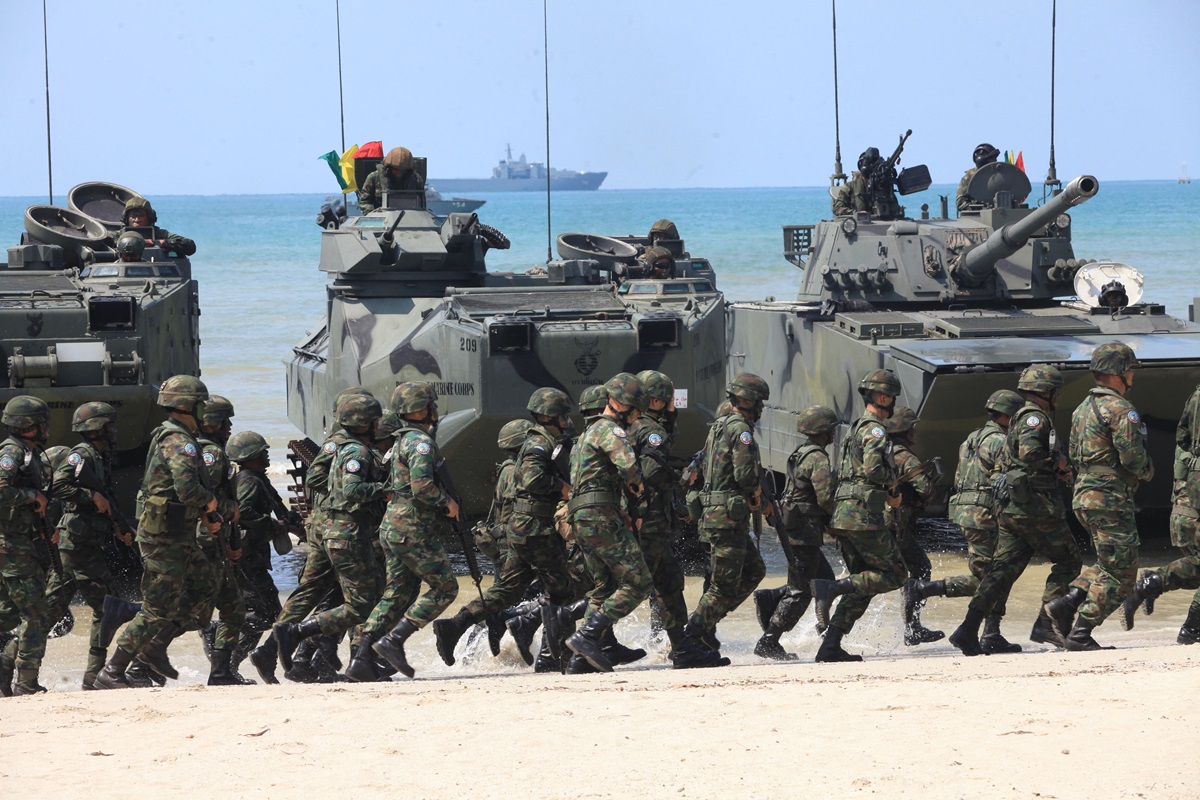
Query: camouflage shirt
[851,196]
[1108,449]
[370,194]
[173,467]
[413,481]
[220,479]
[1031,448]
[971,506]
[731,470]
[808,500]
[81,525]
[914,490]
[171,242]
[864,471]
[962,200]
[257,500]
[652,443]
[357,484]
[603,460]
[21,478]
[505,493]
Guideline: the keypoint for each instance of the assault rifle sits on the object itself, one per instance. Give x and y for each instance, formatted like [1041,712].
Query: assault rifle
[694,470]
[442,473]
[932,466]
[769,502]
[883,177]
[86,478]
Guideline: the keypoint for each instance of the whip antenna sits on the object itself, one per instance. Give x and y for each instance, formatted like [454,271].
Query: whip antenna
[838,177]
[337,9]
[1052,176]
[546,72]
[46,56]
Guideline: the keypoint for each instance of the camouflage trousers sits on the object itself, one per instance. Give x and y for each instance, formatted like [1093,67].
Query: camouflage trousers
[1184,573]
[666,577]
[168,560]
[261,597]
[226,597]
[352,558]
[805,562]
[412,556]
[318,585]
[1115,537]
[916,560]
[541,557]
[85,571]
[876,566]
[23,599]
[1019,539]
[736,569]
[981,548]
[620,578]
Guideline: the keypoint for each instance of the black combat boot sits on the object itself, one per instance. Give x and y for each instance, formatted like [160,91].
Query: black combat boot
[831,646]
[139,676]
[154,652]
[113,674]
[824,592]
[1043,631]
[304,662]
[27,682]
[546,661]
[97,657]
[675,637]
[1061,610]
[558,622]
[993,642]
[618,653]
[447,632]
[264,658]
[691,651]
[769,647]
[219,673]
[327,646]
[1081,638]
[915,592]
[578,665]
[1189,633]
[523,627]
[288,636]
[246,644]
[495,629]
[116,612]
[391,647]
[966,635]
[208,639]
[1146,590]
[362,665]
[8,662]
[765,603]
[588,641]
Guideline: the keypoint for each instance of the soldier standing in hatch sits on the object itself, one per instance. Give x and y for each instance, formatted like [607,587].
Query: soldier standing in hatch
[852,195]
[140,217]
[395,173]
[984,154]
[972,509]
[872,556]
[1032,519]
[1108,449]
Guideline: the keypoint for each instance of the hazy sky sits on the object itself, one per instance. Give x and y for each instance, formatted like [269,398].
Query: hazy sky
[174,97]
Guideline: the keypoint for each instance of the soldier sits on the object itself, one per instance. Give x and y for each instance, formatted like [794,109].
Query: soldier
[972,509]
[86,524]
[658,263]
[412,525]
[911,490]
[1184,572]
[140,214]
[807,505]
[662,230]
[174,497]
[852,196]
[24,497]
[1032,519]
[1108,450]
[872,556]
[357,490]
[984,154]
[535,550]
[257,502]
[130,246]
[396,172]
[730,496]
[603,467]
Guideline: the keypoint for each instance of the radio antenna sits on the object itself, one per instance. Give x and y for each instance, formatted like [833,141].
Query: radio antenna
[1052,176]
[546,73]
[46,57]
[838,177]
[337,10]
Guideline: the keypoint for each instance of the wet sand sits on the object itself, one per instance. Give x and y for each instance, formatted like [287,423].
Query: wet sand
[906,722]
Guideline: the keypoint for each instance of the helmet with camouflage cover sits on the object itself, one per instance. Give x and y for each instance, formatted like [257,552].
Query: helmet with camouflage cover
[24,412]
[358,411]
[657,384]
[1113,358]
[549,402]
[749,387]
[512,434]
[131,245]
[883,381]
[139,203]
[389,423]
[56,455]
[217,411]
[91,417]
[347,392]
[185,393]
[903,420]
[245,446]
[627,390]
[815,420]
[1004,401]
[593,398]
[663,229]
[413,396]
[399,158]
[658,258]
[1040,378]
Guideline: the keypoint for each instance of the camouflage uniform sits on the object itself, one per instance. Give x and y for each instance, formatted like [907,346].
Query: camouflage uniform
[180,245]
[962,199]
[257,500]
[851,197]
[214,585]
[652,443]
[1184,573]
[492,537]
[807,506]
[972,508]
[901,520]
[370,194]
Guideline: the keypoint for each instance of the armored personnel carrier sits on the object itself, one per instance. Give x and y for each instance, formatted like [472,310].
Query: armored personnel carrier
[958,307]
[77,324]
[410,298]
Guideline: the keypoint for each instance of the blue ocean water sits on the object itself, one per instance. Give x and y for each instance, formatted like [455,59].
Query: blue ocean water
[260,289]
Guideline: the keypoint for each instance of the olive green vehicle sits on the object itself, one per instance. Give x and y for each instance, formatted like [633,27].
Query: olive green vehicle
[957,308]
[77,324]
[410,298]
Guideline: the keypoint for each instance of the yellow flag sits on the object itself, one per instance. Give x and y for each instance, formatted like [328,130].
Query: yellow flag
[347,163]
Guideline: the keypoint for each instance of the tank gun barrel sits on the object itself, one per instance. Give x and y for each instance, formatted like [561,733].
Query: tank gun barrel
[978,263]
[387,242]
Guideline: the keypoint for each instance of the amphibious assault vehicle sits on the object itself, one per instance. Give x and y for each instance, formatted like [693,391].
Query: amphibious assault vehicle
[958,307]
[410,298]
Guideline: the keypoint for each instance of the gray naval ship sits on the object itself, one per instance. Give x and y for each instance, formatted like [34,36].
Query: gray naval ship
[957,308]
[410,298]
[519,175]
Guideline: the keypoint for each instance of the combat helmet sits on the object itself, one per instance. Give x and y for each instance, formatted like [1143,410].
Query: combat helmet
[245,446]
[883,381]
[664,229]
[512,434]
[24,412]
[1040,378]
[1004,401]
[399,159]
[217,411]
[136,203]
[358,411]
[815,420]
[749,386]
[593,399]
[1113,358]
[547,402]
[657,385]
[344,393]
[627,390]
[413,396]
[389,423]
[654,256]
[132,244]
[92,417]
[903,420]
[185,393]
[56,455]
[985,154]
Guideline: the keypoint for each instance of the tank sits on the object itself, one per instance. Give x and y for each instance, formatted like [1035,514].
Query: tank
[410,298]
[957,307]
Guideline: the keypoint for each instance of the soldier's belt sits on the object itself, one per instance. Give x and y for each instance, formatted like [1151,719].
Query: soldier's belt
[534,508]
[975,497]
[1097,469]
[357,517]
[719,498]
[1185,511]
[591,500]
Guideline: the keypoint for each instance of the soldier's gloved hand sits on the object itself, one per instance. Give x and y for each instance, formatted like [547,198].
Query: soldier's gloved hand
[452,510]
[39,503]
[101,504]
[636,489]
